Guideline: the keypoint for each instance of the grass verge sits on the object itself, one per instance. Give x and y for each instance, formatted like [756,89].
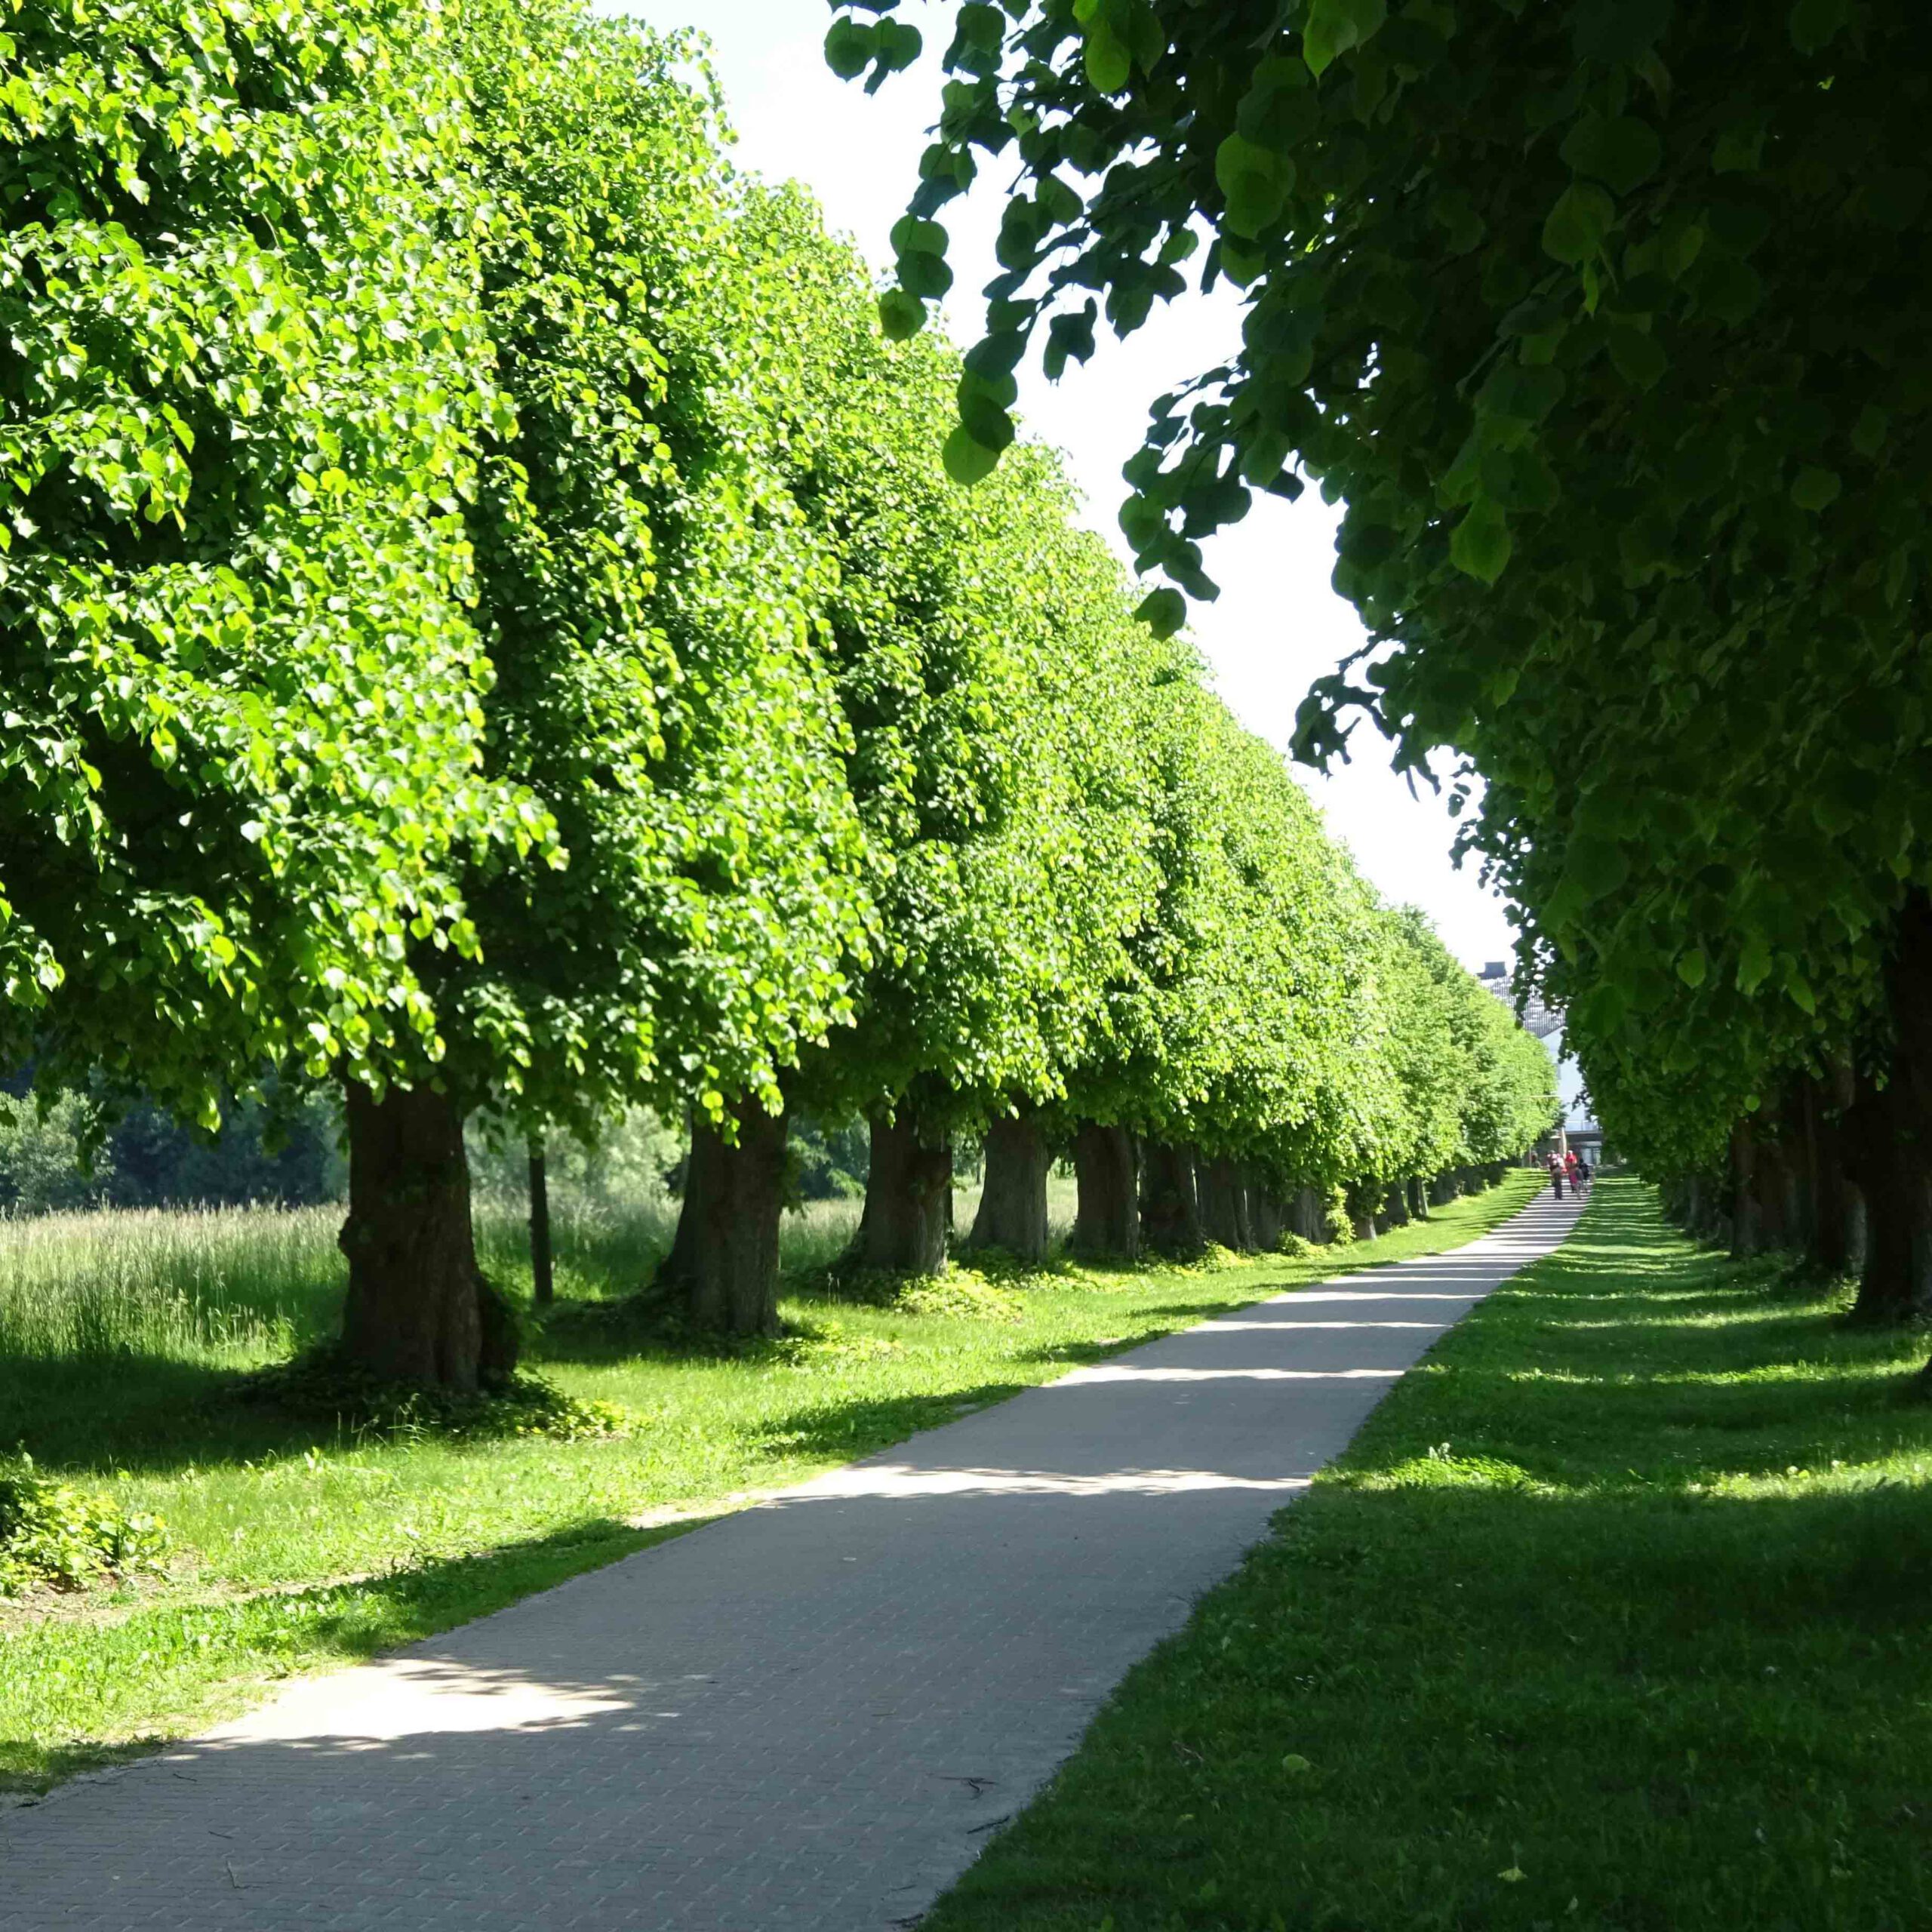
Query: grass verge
[1610,1620]
[303,1547]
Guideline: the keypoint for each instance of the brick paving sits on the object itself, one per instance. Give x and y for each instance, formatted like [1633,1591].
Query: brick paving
[804,1718]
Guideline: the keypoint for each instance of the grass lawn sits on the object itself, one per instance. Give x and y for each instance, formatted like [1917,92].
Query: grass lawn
[1613,1619]
[301,1548]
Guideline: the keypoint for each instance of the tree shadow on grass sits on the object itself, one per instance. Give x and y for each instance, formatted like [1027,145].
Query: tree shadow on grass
[845,1429]
[149,1414]
[279,1633]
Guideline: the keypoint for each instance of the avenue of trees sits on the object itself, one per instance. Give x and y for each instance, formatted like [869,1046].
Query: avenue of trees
[1605,321]
[489,630]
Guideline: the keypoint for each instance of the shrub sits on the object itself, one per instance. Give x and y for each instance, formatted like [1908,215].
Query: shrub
[50,1533]
[321,1384]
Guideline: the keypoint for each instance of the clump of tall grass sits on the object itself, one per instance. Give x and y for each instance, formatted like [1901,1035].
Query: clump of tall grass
[226,1285]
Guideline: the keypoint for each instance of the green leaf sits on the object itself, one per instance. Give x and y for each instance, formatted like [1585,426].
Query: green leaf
[849,46]
[982,26]
[1280,110]
[967,460]
[1164,611]
[923,275]
[1692,966]
[1255,182]
[1620,151]
[1638,359]
[1107,59]
[1334,26]
[1754,964]
[911,235]
[1479,546]
[900,315]
[1814,489]
[1576,226]
[1815,24]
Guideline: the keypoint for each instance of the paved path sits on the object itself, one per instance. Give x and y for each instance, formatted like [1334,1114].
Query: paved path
[802,1718]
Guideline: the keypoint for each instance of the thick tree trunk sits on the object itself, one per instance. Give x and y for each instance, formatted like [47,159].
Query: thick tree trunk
[419,1309]
[1309,1215]
[1744,1216]
[1888,1137]
[1012,1203]
[1169,1204]
[1267,1213]
[723,1258]
[1223,1204]
[1108,1224]
[1419,1200]
[1395,1205]
[542,1274]
[908,1199]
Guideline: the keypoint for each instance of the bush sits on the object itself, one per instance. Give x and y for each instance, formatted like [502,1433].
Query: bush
[52,1534]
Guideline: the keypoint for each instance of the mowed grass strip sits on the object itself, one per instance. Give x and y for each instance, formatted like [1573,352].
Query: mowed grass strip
[302,1548]
[1612,1617]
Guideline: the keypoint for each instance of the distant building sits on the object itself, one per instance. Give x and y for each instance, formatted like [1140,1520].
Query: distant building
[1546,1023]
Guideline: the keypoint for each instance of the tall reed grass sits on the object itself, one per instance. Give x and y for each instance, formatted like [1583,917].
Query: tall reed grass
[236,1287]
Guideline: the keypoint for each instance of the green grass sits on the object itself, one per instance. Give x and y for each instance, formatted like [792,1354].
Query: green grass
[119,1335]
[1611,1620]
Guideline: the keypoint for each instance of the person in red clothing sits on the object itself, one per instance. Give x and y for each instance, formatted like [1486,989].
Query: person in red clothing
[1571,1168]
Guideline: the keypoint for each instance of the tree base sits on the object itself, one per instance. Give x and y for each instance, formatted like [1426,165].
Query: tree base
[1108,1225]
[724,1259]
[1012,1201]
[909,1199]
[419,1309]
[1170,1205]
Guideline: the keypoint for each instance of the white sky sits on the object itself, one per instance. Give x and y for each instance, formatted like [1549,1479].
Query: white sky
[1277,624]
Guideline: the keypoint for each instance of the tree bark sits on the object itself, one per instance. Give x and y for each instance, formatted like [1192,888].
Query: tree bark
[1267,1213]
[1744,1219]
[1419,1200]
[1395,1205]
[1888,1136]
[419,1309]
[909,1197]
[542,1273]
[1012,1202]
[1308,1214]
[723,1258]
[1169,1204]
[1223,1204]
[1109,1221]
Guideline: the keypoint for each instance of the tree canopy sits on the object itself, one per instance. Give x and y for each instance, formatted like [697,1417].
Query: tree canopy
[1602,321]
[243,735]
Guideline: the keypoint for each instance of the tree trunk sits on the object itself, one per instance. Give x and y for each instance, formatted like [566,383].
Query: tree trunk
[1888,1136]
[1170,1205]
[1419,1200]
[1830,1213]
[908,1199]
[419,1309]
[1109,1222]
[1395,1205]
[723,1258]
[1309,1215]
[1744,1223]
[1223,1204]
[1012,1203]
[1267,1213]
[542,1274]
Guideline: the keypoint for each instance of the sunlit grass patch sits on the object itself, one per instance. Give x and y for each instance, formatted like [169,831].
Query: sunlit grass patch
[302,1541]
[1610,1618]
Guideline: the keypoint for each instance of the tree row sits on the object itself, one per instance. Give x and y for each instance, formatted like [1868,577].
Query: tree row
[487,625]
